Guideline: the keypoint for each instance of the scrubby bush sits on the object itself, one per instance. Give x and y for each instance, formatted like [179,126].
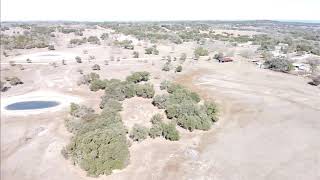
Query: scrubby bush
[155,131]
[12,63]
[100,151]
[139,133]
[152,50]
[164,85]
[166,67]
[178,68]
[200,51]
[315,81]
[126,44]
[156,119]
[88,78]
[93,40]
[278,64]
[160,101]
[51,47]
[78,59]
[78,41]
[211,110]
[135,54]
[15,81]
[20,66]
[96,67]
[138,77]
[3,86]
[80,111]
[99,145]
[170,132]
[145,90]
[97,84]
[148,50]
[183,56]
[104,36]
[218,56]
[182,105]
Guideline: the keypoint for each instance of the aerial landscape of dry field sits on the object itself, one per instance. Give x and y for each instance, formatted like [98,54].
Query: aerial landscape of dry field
[225,100]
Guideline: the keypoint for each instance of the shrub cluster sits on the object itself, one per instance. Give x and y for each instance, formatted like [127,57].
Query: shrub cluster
[183,106]
[99,144]
[200,51]
[138,77]
[139,133]
[152,50]
[159,128]
[126,44]
[93,40]
[278,64]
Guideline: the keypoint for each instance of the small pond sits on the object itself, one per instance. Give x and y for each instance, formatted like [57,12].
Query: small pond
[29,105]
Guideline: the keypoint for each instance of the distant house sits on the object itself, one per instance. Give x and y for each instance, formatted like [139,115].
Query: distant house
[225,59]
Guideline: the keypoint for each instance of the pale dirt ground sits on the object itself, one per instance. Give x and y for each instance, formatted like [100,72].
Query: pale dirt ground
[268,129]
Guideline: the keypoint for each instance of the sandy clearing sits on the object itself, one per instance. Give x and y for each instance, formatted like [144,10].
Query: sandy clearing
[268,129]
[50,56]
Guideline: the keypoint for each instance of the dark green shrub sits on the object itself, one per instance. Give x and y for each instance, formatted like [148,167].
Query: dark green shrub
[51,47]
[156,119]
[15,81]
[99,151]
[148,50]
[98,84]
[104,36]
[129,90]
[166,67]
[178,68]
[155,130]
[139,133]
[78,59]
[170,132]
[164,85]
[211,110]
[200,51]
[160,101]
[3,86]
[278,64]
[135,54]
[93,40]
[96,67]
[138,77]
[145,90]
[80,111]
[183,57]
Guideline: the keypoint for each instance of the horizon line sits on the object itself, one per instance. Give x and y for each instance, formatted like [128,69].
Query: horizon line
[305,21]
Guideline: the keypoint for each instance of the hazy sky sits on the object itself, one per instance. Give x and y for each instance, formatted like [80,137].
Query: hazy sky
[108,10]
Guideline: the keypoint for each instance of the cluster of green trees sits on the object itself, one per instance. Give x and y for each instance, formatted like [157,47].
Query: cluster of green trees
[99,144]
[278,64]
[77,41]
[126,44]
[152,50]
[200,51]
[183,107]
[138,77]
[158,128]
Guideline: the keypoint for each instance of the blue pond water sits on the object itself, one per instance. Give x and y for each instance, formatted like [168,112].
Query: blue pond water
[28,105]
